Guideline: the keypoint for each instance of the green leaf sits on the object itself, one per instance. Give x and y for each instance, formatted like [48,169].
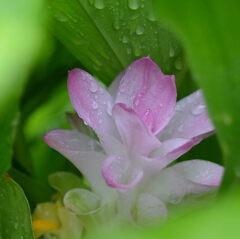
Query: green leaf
[35,191]
[18,20]
[211,35]
[15,219]
[64,181]
[107,35]
[218,221]
[44,118]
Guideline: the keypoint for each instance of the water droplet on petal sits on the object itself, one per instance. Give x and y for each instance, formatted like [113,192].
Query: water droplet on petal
[133,4]
[180,128]
[137,99]
[148,118]
[109,108]
[94,105]
[198,110]
[99,4]
[93,87]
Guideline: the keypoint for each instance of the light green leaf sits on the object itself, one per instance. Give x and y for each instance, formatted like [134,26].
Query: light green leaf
[219,221]
[107,35]
[64,181]
[15,219]
[211,35]
[82,201]
[20,39]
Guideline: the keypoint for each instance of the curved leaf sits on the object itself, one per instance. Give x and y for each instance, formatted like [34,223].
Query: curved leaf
[15,219]
[18,20]
[211,34]
[106,35]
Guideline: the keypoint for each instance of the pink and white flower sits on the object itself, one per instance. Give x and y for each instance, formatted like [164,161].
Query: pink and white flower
[141,130]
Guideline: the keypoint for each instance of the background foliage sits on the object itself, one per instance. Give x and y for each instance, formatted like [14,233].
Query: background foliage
[40,41]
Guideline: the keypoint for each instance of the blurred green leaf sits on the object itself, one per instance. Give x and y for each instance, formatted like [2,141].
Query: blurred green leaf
[21,154]
[44,118]
[218,221]
[49,73]
[20,39]
[15,219]
[64,181]
[107,35]
[211,35]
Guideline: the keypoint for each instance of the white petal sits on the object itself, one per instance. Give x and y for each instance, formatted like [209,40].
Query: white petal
[201,172]
[173,183]
[190,119]
[150,210]
[84,152]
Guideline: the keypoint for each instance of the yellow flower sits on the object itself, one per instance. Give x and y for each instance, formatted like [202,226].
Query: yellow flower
[54,220]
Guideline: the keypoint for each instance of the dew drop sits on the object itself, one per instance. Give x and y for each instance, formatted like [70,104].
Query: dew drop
[147,112]
[16,226]
[178,64]
[133,4]
[129,50]
[91,1]
[94,105]
[116,25]
[151,17]
[137,51]
[198,110]
[61,17]
[125,39]
[134,16]
[99,4]
[93,87]
[171,51]
[138,99]
[109,108]
[148,118]
[180,128]
[140,30]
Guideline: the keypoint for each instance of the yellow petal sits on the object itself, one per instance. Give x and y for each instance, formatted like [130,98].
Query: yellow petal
[42,226]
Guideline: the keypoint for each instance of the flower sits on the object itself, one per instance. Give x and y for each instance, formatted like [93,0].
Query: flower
[141,130]
[53,220]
